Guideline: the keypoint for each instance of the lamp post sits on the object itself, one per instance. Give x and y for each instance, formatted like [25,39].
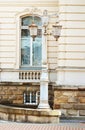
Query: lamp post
[56,29]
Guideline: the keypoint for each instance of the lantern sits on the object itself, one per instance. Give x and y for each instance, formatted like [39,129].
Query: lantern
[33,30]
[56,31]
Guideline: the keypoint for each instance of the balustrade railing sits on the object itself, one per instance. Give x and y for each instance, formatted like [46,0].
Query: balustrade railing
[29,75]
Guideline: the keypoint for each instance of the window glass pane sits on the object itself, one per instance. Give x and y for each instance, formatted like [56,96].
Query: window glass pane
[25,51]
[27,98]
[33,97]
[37,21]
[25,33]
[26,21]
[37,51]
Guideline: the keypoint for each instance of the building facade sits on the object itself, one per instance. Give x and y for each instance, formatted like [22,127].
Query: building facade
[43,73]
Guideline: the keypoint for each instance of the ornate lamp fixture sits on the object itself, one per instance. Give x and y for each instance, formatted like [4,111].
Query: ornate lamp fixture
[33,29]
[56,30]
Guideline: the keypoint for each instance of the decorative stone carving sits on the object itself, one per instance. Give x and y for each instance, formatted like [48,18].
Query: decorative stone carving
[30,11]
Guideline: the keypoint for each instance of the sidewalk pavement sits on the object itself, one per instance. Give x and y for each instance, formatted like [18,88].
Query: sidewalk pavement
[7,125]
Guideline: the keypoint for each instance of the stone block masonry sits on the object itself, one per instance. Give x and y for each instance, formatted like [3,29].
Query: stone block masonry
[70,100]
[13,93]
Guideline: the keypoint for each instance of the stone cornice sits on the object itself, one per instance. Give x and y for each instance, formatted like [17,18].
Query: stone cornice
[19,1]
[28,3]
[64,68]
[69,87]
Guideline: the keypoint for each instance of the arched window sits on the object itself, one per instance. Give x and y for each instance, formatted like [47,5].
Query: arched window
[31,51]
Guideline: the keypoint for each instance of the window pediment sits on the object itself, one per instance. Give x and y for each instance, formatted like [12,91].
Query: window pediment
[29,11]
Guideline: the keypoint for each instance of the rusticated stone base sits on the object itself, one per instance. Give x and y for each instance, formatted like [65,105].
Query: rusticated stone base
[13,93]
[70,100]
[29,115]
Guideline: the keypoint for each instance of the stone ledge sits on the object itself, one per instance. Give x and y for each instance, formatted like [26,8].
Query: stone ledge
[68,87]
[29,115]
[73,118]
[11,84]
[18,83]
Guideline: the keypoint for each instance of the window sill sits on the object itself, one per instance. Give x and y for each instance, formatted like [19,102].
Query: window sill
[30,104]
[31,68]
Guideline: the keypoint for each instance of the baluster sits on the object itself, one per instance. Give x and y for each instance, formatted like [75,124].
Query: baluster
[30,75]
[20,75]
[27,75]
[23,75]
[37,76]
[33,75]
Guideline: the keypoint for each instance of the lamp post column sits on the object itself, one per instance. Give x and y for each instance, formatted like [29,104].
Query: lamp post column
[44,77]
[44,90]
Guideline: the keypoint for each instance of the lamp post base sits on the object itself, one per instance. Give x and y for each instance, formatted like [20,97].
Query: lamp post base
[43,106]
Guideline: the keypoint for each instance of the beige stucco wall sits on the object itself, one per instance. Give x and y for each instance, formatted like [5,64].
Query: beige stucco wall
[71,49]
[66,58]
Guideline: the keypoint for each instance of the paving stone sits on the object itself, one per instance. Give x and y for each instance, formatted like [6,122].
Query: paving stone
[28,126]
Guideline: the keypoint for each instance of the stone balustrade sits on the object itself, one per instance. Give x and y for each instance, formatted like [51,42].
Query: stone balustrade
[29,75]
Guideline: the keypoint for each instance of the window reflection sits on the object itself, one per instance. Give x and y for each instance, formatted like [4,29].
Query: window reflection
[31,51]
[37,49]
[25,51]
[25,33]
[26,21]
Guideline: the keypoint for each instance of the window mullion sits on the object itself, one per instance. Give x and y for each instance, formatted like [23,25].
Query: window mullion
[31,51]
[30,97]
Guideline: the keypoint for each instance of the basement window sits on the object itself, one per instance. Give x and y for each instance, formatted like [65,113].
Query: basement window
[31,97]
